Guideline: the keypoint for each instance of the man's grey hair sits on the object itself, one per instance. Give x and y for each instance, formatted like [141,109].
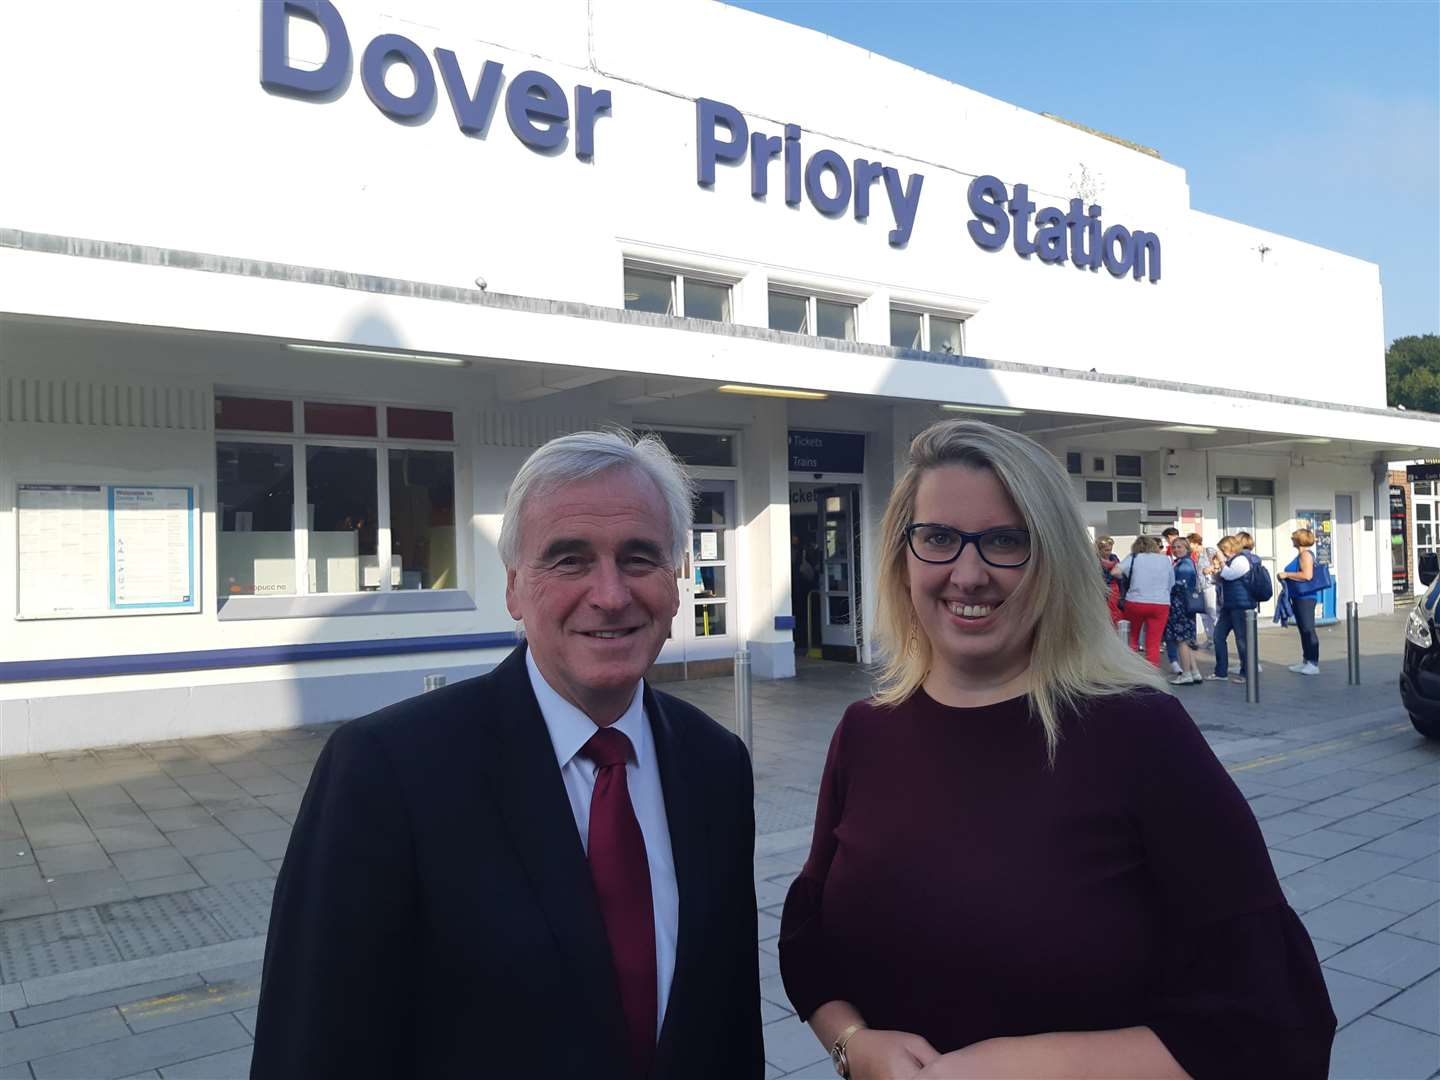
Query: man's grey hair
[584,454]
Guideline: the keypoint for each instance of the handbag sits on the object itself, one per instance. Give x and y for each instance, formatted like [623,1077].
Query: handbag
[1320,580]
[1195,601]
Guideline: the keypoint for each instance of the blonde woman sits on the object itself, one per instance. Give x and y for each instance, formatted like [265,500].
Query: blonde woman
[1147,601]
[1026,859]
[1301,576]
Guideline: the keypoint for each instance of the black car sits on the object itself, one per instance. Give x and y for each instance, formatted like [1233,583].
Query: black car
[1420,670]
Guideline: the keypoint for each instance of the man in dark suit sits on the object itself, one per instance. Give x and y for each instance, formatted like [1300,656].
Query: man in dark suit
[546,871]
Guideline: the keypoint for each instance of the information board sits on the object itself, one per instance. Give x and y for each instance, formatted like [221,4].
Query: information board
[1399,545]
[90,550]
[1319,522]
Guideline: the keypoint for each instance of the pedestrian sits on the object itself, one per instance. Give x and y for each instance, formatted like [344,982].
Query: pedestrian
[1205,556]
[1147,599]
[545,871]
[1235,600]
[1184,599]
[1168,537]
[1026,860]
[1302,578]
[1114,594]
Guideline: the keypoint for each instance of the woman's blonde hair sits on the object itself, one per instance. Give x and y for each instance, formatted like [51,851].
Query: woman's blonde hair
[1074,651]
[1303,537]
[1145,545]
[1196,540]
[1229,546]
[1104,542]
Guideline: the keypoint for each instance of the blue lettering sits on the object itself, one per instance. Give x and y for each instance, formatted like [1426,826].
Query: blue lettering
[390,49]
[1020,209]
[904,203]
[1050,235]
[472,111]
[590,105]
[1092,233]
[1118,265]
[866,173]
[1075,224]
[1146,243]
[792,164]
[829,205]
[987,197]
[276,74]
[536,110]
[763,150]
[708,148]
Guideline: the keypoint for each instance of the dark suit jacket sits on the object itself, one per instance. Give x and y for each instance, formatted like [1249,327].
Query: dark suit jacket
[434,916]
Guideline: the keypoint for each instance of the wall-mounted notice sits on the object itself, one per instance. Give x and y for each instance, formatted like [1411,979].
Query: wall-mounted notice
[106,549]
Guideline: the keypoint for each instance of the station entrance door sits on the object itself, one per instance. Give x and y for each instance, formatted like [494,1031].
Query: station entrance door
[825,586]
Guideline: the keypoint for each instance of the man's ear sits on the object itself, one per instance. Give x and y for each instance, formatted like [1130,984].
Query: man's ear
[512,603]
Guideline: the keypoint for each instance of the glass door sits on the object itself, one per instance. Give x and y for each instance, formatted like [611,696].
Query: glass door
[1254,514]
[704,626]
[835,506]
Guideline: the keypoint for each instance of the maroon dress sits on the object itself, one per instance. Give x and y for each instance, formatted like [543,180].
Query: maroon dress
[960,889]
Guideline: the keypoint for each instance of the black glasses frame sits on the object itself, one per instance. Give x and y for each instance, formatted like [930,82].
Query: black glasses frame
[966,538]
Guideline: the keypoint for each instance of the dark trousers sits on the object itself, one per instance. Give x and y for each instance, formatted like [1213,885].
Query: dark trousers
[1305,623]
[1230,619]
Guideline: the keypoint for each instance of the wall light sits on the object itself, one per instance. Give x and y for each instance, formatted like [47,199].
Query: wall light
[989,410]
[1189,429]
[772,391]
[379,354]
[1314,440]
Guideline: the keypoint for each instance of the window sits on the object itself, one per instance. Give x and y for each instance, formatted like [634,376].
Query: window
[1243,485]
[1422,487]
[797,313]
[926,331]
[1099,491]
[697,447]
[336,496]
[675,293]
[1129,492]
[1073,463]
[1422,511]
[1128,465]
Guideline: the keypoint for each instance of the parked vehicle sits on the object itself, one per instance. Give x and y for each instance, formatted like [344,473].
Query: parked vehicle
[1420,670]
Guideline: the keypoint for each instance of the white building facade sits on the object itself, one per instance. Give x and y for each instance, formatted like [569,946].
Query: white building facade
[290,288]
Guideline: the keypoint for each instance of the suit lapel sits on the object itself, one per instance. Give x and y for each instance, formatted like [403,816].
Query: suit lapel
[684,794]
[538,816]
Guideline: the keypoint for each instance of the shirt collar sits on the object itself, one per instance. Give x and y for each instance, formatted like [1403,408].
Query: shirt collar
[570,729]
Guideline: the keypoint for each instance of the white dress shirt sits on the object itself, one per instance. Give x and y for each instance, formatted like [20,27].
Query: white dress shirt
[570,729]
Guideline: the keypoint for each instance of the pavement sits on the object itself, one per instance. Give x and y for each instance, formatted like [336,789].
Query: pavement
[135,881]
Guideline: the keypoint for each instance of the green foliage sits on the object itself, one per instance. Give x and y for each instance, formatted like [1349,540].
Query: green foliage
[1412,372]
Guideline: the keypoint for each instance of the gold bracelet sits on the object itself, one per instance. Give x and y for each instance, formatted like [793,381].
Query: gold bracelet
[837,1050]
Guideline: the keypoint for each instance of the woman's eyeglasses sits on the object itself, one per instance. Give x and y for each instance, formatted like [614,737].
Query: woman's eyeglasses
[1002,548]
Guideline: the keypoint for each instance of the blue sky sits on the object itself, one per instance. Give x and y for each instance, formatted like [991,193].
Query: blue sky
[1319,121]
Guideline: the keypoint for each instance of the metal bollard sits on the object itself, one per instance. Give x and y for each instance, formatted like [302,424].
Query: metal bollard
[1352,643]
[434,682]
[1252,657]
[1123,629]
[744,716]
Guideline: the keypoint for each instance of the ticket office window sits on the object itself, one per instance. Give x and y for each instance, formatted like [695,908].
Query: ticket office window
[307,515]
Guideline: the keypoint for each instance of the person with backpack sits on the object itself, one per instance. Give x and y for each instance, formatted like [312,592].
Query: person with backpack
[1305,579]
[1235,600]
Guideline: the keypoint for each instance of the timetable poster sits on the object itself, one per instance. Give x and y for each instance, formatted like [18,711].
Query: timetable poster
[106,549]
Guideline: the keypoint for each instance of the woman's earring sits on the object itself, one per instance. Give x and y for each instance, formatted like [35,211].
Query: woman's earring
[913,641]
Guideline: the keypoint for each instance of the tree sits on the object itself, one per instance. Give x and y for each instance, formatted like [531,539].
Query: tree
[1412,372]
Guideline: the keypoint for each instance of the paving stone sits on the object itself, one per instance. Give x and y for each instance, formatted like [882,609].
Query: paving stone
[16,854]
[101,795]
[110,817]
[268,845]
[161,885]
[161,924]
[242,909]
[1398,892]
[230,866]
[1371,823]
[161,798]
[1373,1047]
[247,971]
[247,1019]
[1341,806]
[206,841]
[56,957]
[39,1014]
[1347,922]
[152,1049]
[1322,843]
[1419,805]
[192,1004]
[181,818]
[1356,868]
[1288,862]
[151,863]
[233,1063]
[1351,996]
[1424,924]
[1389,958]
[19,1071]
[1428,867]
[1266,806]
[59,834]
[241,822]
[55,1036]
[88,888]
[71,859]
[1406,842]
[1325,948]
[136,836]
[22,906]
[287,803]
[790,1045]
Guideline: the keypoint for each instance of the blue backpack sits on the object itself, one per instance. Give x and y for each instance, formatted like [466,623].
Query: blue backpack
[1258,579]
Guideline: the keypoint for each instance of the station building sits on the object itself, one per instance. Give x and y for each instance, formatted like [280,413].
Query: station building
[290,288]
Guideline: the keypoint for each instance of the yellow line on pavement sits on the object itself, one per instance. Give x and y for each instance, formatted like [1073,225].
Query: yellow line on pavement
[1360,739]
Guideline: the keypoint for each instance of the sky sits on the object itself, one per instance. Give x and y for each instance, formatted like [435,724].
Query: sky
[1318,121]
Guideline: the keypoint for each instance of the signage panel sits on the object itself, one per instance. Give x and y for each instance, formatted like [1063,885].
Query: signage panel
[827,452]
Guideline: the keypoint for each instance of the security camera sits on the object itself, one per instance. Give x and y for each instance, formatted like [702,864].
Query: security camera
[481,284]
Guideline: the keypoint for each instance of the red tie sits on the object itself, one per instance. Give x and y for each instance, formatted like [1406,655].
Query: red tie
[622,883]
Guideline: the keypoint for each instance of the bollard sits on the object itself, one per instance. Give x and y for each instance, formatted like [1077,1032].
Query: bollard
[1123,629]
[1352,643]
[434,682]
[744,719]
[1252,657]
